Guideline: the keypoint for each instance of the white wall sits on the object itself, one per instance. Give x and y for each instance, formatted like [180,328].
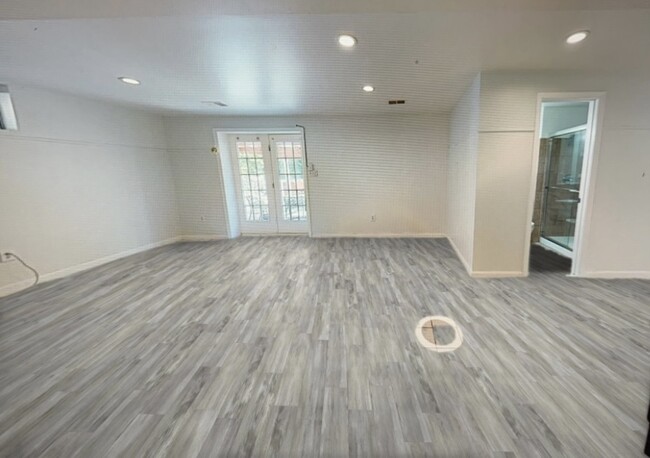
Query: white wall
[84,181]
[81,182]
[617,242]
[502,191]
[390,166]
[461,172]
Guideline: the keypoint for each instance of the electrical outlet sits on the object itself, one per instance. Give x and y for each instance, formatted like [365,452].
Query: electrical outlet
[4,257]
[373,218]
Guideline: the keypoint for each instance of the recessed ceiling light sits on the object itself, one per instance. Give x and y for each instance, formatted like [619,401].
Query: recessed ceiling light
[368,88]
[577,37]
[347,41]
[127,80]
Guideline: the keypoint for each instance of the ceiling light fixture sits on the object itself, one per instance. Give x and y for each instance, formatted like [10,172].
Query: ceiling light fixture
[127,80]
[347,41]
[369,88]
[577,37]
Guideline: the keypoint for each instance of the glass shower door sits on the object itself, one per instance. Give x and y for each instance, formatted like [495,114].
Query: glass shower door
[562,187]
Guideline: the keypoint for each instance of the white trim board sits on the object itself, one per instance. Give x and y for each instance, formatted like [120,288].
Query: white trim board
[201,238]
[261,130]
[484,274]
[497,274]
[381,236]
[460,256]
[613,275]
[44,278]
[274,234]
[65,141]
[18,286]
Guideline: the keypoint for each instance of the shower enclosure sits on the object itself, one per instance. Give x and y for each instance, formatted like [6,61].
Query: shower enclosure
[561,196]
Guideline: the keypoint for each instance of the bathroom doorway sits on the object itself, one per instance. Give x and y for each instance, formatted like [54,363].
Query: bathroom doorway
[565,152]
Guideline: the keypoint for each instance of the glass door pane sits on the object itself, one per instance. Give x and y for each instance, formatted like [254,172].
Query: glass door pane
[255,179]
[291,194]
[562,188]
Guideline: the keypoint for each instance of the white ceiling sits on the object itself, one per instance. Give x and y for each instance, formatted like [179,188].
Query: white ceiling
[68,9]
[283,64]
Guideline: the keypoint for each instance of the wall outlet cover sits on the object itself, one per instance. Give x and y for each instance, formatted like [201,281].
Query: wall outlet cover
[4,258]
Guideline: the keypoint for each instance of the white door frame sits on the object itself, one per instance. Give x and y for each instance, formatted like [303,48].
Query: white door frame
[589,167]
[221,136]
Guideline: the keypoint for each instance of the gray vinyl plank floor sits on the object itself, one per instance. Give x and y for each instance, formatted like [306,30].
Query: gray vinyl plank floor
[290,346]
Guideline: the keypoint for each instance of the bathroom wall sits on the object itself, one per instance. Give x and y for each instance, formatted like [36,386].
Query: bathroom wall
[616,242]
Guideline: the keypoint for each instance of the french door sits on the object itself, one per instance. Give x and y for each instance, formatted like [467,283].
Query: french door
[270,177]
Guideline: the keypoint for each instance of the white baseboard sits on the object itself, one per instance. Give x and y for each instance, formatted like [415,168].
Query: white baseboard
[460,256]
[498,274]
[639,274]
[274,234]
[484,274]
[419,235]
[201,238]
[15,287]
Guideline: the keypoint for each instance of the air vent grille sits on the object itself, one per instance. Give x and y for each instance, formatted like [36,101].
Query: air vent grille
[218,103]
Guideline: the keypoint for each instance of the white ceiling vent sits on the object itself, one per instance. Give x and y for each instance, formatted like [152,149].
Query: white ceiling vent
[218,103]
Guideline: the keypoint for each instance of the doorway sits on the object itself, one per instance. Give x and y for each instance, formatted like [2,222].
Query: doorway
[560,170]
[566,143]
[270,183]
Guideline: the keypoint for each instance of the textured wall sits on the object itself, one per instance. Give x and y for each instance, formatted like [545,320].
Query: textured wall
[81,181]
[461,173]
[393,167]
[616,242]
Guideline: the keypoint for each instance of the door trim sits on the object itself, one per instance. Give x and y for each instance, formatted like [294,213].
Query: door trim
[589,167]
[221,138]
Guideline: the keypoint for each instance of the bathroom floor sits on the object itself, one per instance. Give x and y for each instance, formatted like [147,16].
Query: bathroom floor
[544,260]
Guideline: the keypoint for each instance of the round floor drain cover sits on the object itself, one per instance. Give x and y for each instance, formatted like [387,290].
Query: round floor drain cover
[439,333]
